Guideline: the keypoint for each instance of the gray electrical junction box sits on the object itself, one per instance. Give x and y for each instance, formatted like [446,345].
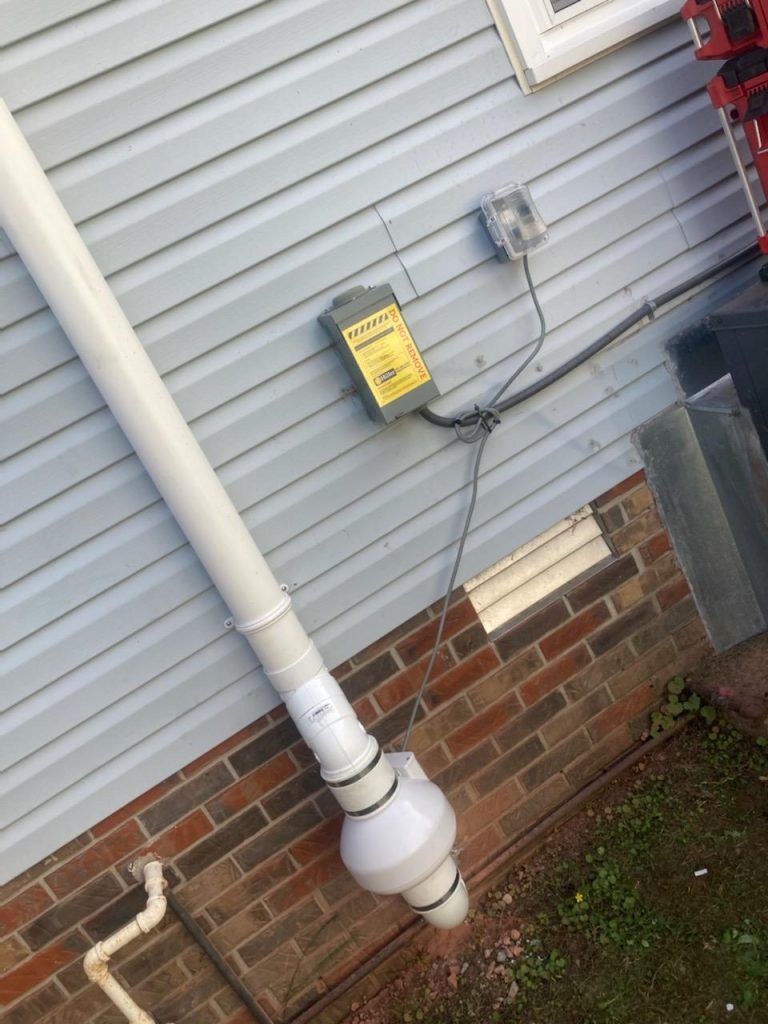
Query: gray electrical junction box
[367,327]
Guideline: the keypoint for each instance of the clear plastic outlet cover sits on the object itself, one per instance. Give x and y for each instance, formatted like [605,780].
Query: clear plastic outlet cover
[513,221]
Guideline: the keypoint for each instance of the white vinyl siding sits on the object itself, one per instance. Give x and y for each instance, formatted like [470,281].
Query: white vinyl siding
[233,166]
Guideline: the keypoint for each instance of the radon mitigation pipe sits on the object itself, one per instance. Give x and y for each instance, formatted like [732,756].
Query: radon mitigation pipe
[96,962]
[399,828]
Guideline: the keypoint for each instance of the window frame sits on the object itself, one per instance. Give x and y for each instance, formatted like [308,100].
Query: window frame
[544,45]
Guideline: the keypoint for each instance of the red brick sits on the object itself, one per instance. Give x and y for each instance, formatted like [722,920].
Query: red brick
[12,952]
[182,835]
[555,760]
[622,711]
[612,518]
[599,671]
[600,757]
[249,919]
[626,485]
[692,634]
[536,806]
[506,679]
[525,633]
[342,670]
[634,533]
[673,593]
[224,840]
[37,968]
[660,659]
[602,582]
[480,726]
[654,548]
[460,769]
[622,628]
[491,808]
[391,638]
[32,874]
[35,1007]
[462,676]
[305,882]
[229,901]
[633,591]
[575,715]
[367,678]
[288,830]
[251,787]
[186,798]
[442,723]
[574,631]
[639,501]
[320,840]
[460,615]
[406,683]
[482,847]
[23,908]
[97,858]
[469,641]
[129,809]
[221,749]
[507,766]
[366,712]
[434,761]
[62,916]
[210,883]
[554,675]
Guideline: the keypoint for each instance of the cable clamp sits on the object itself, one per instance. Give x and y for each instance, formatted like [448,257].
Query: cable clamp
[651,307]
[488,418]
[470,426]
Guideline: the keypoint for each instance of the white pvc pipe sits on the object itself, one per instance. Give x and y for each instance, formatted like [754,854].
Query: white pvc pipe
[361,779]
[96,962]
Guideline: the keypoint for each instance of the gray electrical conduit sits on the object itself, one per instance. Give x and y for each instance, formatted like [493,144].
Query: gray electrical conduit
[218,961]
[647,309]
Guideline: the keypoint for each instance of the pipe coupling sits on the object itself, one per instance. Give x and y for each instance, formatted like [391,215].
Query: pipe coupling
[267,619]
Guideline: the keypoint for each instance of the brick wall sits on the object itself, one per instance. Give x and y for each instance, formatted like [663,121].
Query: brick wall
[509,728]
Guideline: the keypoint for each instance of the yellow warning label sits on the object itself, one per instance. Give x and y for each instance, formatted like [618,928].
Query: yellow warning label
[386,354]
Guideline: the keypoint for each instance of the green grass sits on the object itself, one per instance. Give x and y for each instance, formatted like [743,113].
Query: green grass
[613,926]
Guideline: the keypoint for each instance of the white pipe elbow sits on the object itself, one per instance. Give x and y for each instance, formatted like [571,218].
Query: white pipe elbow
[154,884]
[95,964]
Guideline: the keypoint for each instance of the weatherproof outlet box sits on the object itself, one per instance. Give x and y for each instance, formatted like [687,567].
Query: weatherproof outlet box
[367,327]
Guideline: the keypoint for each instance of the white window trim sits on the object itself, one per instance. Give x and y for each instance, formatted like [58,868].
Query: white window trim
[543,45]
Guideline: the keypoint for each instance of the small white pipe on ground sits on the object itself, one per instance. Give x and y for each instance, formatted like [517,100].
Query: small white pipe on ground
[96,963]
[399,828]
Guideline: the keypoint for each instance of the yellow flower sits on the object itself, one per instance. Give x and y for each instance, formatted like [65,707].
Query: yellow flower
[579,897]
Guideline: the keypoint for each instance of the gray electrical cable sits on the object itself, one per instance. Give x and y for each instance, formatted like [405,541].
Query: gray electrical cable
[447,599]
[477,425]
[485,420]
[647,309]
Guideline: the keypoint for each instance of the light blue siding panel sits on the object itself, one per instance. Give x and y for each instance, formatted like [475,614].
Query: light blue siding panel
[122,778]
[233,169]
[22,18]
[166,79]
[240,116]
[31,347]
